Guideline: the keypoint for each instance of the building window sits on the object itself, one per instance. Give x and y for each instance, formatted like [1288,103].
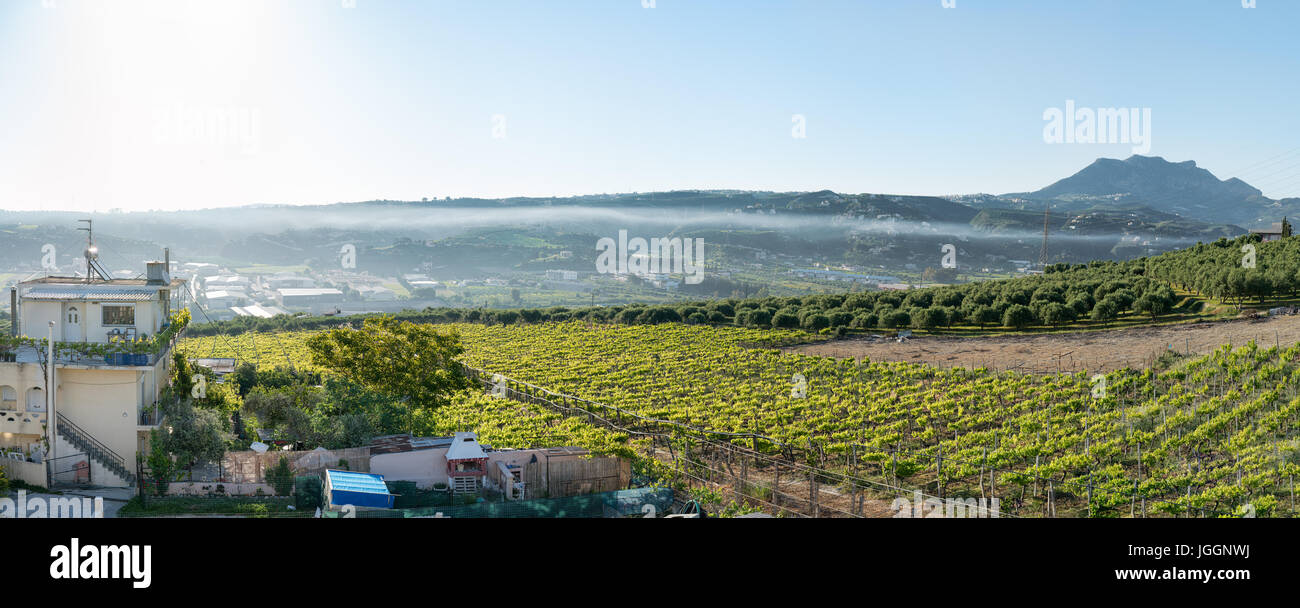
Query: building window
[35,400]
[119,315]
[73,319]
[8,398]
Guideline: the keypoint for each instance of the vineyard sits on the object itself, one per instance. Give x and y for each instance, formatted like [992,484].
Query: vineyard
[1208,436]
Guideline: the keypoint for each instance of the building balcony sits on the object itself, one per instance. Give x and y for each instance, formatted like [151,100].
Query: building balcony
[150,418]
[72,356]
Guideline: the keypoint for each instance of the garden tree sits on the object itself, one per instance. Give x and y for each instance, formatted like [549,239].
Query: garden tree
[1258,285]
[933,317]
[1104,311]
[785,320]
[841,318]
[952,316]
[182,375]
[816,322]
[412,362]
[160,462]
[280,477]
[245,378]
[1018,316]
[659,314]
[197,435]
[1155,302]
[1081,304]
[1055,313]
[4,482]
[866,320]
[896,319]
[984,315]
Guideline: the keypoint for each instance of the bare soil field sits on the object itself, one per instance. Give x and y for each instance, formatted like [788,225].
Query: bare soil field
[1094,351]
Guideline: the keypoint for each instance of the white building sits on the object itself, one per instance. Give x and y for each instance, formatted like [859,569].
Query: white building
[305,297]
[104,406]
[379,294]
[561,275]
[289,281]
[221,298]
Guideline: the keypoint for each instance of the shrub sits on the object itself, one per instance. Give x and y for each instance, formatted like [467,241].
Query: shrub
[308,492]
[280,477]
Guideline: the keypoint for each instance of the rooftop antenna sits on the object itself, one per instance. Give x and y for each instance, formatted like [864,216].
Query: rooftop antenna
[92,254]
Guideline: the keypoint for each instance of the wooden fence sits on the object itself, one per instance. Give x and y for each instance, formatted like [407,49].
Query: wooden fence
[251,467]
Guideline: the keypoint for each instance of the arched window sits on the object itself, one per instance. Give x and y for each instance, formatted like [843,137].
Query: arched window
[35,400]
[8,398]
[73,317]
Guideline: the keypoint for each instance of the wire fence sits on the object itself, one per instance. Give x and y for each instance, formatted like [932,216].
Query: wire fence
[816,484]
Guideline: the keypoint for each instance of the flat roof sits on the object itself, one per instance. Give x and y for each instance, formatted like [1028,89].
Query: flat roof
[81,282]
[309,291]
[257,310]
[351,481]
[393,444]
[92,292]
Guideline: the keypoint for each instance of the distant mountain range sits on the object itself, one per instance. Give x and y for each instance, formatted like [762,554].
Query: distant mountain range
[1112,209]
[1151,185]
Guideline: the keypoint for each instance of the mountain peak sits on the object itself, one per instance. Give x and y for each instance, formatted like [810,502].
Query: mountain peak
[1180,188]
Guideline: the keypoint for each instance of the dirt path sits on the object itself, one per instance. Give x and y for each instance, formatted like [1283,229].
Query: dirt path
[1095,351]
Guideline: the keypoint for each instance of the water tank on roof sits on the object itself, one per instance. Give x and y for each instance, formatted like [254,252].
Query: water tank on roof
[158,273]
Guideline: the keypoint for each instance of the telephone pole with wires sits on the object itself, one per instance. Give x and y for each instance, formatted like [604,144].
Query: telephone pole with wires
[1042,254]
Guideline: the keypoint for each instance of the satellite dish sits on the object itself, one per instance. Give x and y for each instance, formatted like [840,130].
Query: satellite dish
[259,447]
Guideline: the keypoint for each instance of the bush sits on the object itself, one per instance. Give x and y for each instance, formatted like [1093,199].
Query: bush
[280,477]
[308,492]
[785,321]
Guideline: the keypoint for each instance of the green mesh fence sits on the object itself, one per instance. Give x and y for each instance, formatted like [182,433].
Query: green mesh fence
[622,503]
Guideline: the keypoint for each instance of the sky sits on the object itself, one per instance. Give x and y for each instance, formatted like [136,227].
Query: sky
[181,104]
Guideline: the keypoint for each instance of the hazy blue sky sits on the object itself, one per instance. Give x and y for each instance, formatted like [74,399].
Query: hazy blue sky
[303,101]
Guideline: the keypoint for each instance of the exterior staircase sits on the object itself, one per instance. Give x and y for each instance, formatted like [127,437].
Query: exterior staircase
[95,450]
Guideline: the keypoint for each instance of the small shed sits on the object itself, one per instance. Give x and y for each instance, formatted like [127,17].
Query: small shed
[356,489]
[466,463]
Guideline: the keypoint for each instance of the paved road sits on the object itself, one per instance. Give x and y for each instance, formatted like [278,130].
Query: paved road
[114,498]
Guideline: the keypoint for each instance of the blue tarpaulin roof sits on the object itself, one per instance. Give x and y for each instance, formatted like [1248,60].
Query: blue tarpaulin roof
[357,482]
[357,489]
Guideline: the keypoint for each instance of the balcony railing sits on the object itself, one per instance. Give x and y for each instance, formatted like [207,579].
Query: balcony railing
[151,416]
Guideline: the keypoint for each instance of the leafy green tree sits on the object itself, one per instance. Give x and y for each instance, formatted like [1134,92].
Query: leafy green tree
[411,362]
[984,315]
[1105,310]
[896,319]
[933,317]
[197,435]
[182,375]
[160,462]
[245,378]
[1055,313]
[785,320]
[1018,316]
[816,322]
[280,477]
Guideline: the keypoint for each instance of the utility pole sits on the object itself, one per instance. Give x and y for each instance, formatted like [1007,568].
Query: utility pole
[1042,255]
[53,422]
